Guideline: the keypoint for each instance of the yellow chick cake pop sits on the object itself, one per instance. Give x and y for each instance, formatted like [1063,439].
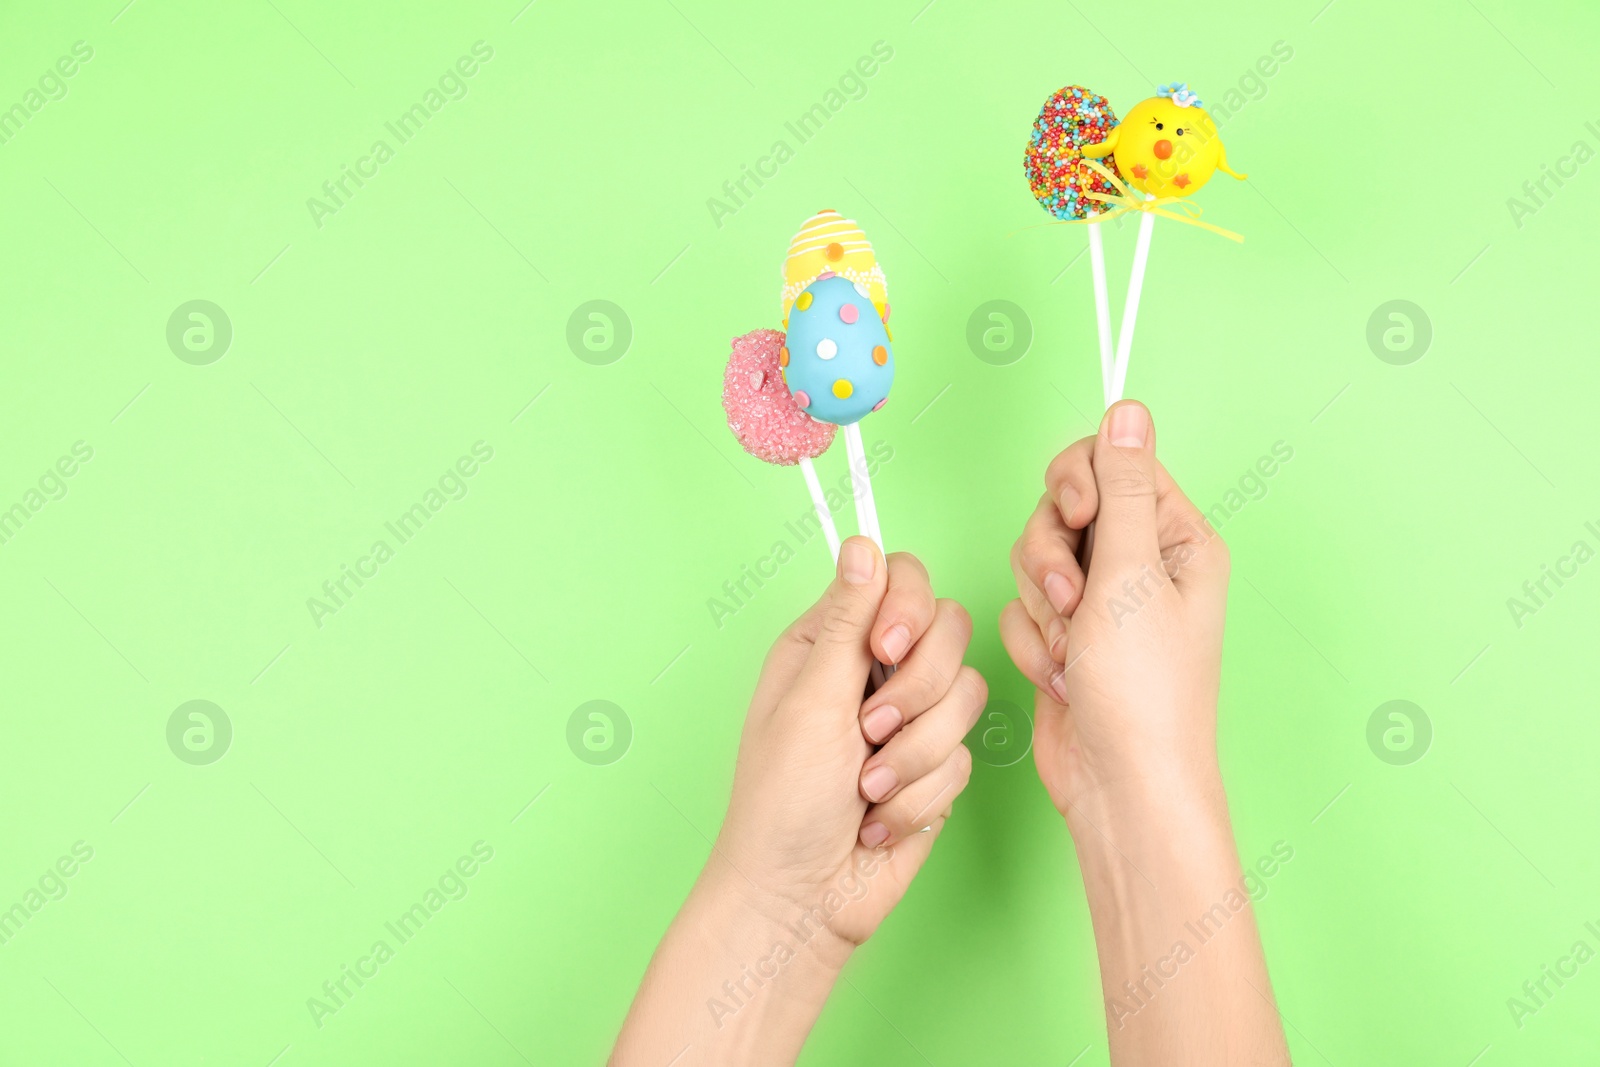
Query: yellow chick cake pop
[831,243]
[1166,145]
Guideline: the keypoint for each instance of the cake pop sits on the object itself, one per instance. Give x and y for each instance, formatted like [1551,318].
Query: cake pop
[830,243]
[1166,145]
[766,421]
[1083,165]
[839,365]
[838,362]
[1073,119]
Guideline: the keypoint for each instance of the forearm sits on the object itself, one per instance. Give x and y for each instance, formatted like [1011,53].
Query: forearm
[1180,958]
[731,983]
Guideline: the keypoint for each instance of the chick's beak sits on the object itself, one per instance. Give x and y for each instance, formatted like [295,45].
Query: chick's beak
[1162,149]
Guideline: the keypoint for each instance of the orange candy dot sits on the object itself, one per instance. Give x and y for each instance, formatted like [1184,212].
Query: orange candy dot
[880,355]
[834,251]
[783,357]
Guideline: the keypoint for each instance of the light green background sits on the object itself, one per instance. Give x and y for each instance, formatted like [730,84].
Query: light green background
[369,354]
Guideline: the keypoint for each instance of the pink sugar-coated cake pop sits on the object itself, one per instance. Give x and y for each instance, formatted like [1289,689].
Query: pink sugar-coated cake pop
[762,413]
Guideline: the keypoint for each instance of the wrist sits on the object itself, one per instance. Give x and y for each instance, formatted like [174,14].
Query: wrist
[1173,823]
[771,932]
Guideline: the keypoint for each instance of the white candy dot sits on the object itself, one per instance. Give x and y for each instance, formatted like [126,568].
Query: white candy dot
[863,290]
[826,349]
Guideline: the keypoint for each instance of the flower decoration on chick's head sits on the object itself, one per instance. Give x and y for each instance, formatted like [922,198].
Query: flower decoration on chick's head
[1180,93]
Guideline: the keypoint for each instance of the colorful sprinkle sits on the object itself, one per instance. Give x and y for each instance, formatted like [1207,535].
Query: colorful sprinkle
[848,314]
[826,349]
[842,389]
[1053,160]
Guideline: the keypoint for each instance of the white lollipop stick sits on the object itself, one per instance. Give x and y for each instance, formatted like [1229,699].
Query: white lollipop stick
[861,484]
[819,504]
[1130,309]
[1102,306]
[866,519]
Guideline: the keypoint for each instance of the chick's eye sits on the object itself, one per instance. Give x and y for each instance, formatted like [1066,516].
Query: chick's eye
[1159,126]
[1180,131]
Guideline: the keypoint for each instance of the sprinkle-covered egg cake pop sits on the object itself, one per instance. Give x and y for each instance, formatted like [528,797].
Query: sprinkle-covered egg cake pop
[1073,119]
[1167,145]
[831,243]
[761,412]
[837,360]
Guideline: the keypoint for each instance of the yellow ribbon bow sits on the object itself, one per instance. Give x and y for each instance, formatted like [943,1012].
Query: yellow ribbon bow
[1189,212]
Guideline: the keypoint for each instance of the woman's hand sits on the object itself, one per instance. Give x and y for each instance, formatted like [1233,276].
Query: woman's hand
[1126,658]
[812,799]
[825,829]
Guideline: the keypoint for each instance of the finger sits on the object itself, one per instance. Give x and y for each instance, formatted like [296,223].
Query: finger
[1052,627]
[835,671]
[907,857]
[1048,549]
[1192,551]
[1028,652]
[919,804]
[1033,598]
[1125,474]
[907,609]
[1070,481]
[924,678]
[924,744]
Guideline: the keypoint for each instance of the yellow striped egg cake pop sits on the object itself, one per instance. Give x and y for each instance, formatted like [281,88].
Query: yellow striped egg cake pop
[831,243]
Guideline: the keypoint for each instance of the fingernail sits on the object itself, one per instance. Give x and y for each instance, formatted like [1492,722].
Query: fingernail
[879,723]
[1058,685]
[876,783]
[856,562]
[1129,426]
[1068,503]
[1059,590]
[1056,638]
[895,643]
[874,834]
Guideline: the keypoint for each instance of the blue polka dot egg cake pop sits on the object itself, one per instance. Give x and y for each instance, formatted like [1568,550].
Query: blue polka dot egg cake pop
[838,359]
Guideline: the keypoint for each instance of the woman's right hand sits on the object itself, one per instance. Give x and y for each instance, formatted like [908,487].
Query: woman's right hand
[1126,658]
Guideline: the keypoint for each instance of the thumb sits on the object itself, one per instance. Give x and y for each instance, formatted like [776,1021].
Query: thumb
[1125,476]
[836,670]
